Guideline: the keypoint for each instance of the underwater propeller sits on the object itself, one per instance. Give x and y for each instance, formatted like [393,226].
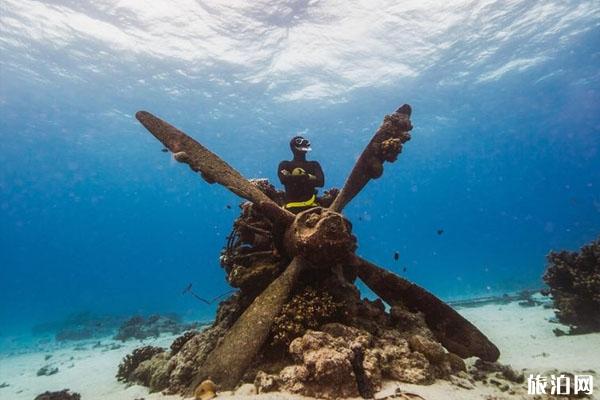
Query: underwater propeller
[315,237]
[210,166]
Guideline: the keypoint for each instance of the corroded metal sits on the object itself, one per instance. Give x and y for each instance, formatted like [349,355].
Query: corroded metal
[456,333]
[320,235]
[211,167]
[385,145]
[228,361]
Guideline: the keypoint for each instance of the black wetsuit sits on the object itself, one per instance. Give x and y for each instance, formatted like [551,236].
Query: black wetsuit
[300,188]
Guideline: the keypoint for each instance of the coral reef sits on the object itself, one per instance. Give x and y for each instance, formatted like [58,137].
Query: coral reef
[138,327]
[80,326]
[172,371]
[574,281]
[342,361]
[132,361]
[65,394]
[152,372]
[306,310]
[181,341]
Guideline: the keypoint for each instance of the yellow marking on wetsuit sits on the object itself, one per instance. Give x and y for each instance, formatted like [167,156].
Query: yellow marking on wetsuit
[310,202]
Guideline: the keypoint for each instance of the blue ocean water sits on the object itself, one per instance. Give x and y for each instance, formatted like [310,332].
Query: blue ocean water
[504,156]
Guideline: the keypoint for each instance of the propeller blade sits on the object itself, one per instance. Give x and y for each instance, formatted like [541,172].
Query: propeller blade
[385,145]
[211,167]
[456,333]
[226,364]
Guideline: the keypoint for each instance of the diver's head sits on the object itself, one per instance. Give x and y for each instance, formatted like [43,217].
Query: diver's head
[299,145]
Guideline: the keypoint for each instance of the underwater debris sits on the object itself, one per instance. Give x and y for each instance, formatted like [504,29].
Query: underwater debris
[454,332]
[188,289]
[138,327]
[574,281]
[64,394]
[271,255]
[481,369]
[47,370]
[493,374]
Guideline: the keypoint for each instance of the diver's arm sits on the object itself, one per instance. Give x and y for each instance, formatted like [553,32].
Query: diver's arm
[319,177]
[283,173]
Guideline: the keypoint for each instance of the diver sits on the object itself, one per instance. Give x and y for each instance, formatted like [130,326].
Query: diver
[300,177]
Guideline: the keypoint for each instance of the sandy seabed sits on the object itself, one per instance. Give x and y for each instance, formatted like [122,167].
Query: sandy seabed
[523,335]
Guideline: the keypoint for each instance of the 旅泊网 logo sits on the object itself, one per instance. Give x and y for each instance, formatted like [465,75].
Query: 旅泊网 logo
[560,385]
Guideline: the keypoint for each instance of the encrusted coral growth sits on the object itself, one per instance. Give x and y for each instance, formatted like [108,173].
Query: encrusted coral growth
[181,341]
[267,188]
[308,309]
[340,361]
[152,372]
[250,258]
[133,360]
[574,280]
[352,358]
[390,149]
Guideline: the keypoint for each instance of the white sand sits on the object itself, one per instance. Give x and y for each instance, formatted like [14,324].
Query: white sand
[523,335]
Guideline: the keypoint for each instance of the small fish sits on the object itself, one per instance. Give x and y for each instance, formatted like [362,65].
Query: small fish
[440,231]
[164,150]
[228,207]
[396,256]
[404,269]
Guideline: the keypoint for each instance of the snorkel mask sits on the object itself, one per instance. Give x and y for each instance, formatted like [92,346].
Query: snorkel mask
[299,143]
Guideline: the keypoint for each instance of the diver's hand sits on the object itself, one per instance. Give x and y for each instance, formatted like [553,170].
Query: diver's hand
[285,172]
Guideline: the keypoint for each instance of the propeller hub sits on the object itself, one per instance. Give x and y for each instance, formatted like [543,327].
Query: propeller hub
[322,236]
